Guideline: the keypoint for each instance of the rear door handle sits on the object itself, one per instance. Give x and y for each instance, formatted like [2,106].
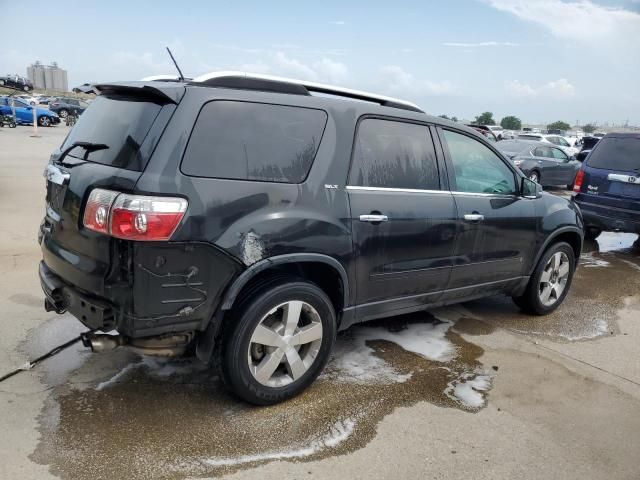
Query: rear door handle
[473,217]
[373,218]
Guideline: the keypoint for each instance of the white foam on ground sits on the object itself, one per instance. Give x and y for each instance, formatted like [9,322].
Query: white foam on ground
[355,362]
[426,339]
[113,380]
[469,389]
[610,241]
[337,434]
[589,261]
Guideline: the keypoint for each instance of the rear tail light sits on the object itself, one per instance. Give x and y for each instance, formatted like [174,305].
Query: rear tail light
[577,183]
[133,217]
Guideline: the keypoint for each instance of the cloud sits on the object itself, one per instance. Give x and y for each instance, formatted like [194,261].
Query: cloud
[398,81]
[323,70]
[337,22]
[560,89]
[582,20]
[482,44]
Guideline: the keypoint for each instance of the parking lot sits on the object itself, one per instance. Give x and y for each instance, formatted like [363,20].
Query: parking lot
[478,390]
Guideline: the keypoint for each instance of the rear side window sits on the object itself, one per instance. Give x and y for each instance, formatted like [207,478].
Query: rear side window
[394,155]
[254,141]
[616,154]
[121,123]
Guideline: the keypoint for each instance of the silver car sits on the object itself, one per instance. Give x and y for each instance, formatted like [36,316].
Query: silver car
[542,162]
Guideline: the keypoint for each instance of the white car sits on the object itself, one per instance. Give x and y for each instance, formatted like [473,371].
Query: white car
[29,99]
[554,139]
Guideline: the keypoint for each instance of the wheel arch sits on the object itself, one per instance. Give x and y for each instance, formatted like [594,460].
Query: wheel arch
[302,263]
[571,235]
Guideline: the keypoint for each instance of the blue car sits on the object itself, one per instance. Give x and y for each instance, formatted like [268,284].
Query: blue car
[24,113]
[607,186]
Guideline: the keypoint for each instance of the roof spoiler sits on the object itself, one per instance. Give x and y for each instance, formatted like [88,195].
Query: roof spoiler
[167,92]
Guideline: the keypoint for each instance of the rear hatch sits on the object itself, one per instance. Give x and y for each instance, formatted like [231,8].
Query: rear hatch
[109,147]
[612,176]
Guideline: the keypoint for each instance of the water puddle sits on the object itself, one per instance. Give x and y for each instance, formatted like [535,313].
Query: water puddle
[169,419]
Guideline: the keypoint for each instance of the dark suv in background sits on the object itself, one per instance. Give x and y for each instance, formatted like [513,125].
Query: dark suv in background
[251,218]
[607,187]
[63,106]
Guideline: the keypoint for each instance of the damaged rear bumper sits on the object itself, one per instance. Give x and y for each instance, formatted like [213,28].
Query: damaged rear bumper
[152,289]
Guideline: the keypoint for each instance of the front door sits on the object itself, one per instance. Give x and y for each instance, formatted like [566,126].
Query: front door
[496,226]
[403,224]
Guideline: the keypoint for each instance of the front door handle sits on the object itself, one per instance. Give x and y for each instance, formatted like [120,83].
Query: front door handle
[373,218]
[473,217]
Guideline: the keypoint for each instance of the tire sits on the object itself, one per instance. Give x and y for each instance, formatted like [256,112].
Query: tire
[591,233]
[63,113]
[244,362]
[556,288]
[44,121]
[535,176]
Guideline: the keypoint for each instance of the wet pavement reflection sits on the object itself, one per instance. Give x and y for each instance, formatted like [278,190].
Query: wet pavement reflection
[118,415]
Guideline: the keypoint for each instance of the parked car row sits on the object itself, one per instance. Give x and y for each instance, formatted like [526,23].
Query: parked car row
[24,112]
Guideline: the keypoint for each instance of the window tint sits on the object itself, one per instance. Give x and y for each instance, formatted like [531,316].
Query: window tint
[558,154]
[543,152]
[616,154]
[476,168]
[394,155]
[121,123]
[254,141]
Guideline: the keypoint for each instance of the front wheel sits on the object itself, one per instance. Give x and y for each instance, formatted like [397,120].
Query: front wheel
[278,342]
[550,282]
[63,113]
[44,121]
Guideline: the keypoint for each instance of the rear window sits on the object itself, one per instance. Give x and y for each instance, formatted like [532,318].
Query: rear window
[616,154]
[121,123]
[254,141]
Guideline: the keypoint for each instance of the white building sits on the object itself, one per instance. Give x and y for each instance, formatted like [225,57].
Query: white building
[48,77]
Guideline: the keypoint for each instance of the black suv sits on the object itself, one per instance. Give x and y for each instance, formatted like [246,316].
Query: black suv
[63,106]
[247,219]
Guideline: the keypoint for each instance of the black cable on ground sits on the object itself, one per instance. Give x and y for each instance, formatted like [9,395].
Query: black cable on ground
[51,353]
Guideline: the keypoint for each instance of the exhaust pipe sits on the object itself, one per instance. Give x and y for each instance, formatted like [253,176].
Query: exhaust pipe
[103,343]
[166,346]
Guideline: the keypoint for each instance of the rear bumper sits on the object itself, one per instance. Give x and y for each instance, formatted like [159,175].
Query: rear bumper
[157,289]
[91,311]
[605,218]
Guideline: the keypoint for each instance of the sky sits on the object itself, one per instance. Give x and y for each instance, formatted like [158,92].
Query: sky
[540,60]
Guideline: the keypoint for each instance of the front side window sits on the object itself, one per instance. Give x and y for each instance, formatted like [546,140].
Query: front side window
[394,155]
[254,141]
[476,168]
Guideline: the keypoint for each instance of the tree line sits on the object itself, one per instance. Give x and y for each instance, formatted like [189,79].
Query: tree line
[512,122]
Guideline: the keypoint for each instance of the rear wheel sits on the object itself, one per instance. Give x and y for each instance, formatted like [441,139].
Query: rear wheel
[591,233]
[550,282]
[278,342]
[63,113]
[535,176]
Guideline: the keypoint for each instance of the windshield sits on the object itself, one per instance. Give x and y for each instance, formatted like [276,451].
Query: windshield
[615,153]
[121,123]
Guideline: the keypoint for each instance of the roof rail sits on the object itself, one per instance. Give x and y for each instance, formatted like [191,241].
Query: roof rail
[245,80]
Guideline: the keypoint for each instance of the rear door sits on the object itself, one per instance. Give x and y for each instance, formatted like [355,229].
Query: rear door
[547,165]
[129,126]
[403,222]
[612,173]
[497,226]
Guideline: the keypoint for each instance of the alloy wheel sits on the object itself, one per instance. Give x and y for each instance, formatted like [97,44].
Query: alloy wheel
[553,280]
[285,343]
[534,177]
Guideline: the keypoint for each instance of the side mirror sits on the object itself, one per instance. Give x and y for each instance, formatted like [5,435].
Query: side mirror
[530,189]
[572,158]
